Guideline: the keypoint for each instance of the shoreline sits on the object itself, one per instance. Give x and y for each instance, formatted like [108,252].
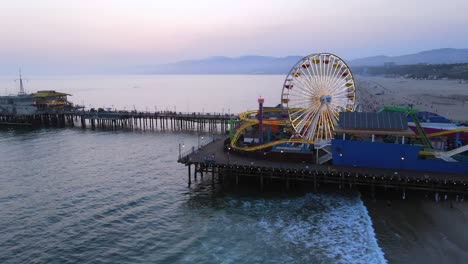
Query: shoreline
[420,230]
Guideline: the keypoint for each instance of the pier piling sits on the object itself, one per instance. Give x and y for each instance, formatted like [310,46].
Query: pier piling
[124,120]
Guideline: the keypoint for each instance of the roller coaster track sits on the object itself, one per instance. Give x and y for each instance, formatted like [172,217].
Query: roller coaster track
[456,151]
[449,153]
[445,155]
[446,132]
[244,117]
[251,122]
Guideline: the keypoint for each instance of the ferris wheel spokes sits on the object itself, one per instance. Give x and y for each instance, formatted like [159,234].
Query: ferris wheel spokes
[316,89]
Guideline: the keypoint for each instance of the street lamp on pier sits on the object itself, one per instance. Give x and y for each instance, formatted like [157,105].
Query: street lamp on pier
[281,159]
[180,149]
[202,137]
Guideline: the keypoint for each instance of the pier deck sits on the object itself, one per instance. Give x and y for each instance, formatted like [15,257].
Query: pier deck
[213,157]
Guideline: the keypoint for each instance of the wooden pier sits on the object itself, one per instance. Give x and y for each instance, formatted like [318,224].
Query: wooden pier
[44,119]
[166,120]
[224,164]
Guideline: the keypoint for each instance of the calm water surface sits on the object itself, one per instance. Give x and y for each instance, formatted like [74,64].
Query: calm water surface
[186,93]
[82,196]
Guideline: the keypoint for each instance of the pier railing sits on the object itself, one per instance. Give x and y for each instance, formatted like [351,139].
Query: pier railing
[149,120]
[90,114]
[184,155]
[123,119]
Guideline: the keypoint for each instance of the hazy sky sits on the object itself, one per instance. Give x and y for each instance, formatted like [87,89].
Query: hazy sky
[68,35]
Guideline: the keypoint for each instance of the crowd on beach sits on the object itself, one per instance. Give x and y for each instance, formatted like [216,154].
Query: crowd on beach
[373,96]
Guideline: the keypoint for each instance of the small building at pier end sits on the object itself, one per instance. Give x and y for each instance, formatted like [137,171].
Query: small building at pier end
[41,102]
[42,107]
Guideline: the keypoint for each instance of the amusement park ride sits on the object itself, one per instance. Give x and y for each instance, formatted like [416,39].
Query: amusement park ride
[317,89]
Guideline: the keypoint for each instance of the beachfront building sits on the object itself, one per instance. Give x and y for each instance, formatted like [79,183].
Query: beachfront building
[51,101]
[383,140]
[41,102]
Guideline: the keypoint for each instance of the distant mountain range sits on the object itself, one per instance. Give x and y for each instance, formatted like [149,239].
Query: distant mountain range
[274,65]
[437,56]
[225,65]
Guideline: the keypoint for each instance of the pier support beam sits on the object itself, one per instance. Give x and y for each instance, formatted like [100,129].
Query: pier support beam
[212,178]
[315,182]
[189,176]
[261,183]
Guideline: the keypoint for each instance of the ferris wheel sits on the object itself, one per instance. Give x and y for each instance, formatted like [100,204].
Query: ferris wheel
[317,88]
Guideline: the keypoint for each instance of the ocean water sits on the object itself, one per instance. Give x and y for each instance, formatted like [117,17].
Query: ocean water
[82,196]
[182,93]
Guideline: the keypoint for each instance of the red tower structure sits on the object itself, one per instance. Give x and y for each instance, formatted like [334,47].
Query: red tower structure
[260,120]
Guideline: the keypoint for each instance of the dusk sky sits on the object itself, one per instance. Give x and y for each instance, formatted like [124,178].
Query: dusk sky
[96,35]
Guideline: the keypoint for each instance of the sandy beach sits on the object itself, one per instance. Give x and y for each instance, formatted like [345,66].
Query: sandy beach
[448,98]
[420,230]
